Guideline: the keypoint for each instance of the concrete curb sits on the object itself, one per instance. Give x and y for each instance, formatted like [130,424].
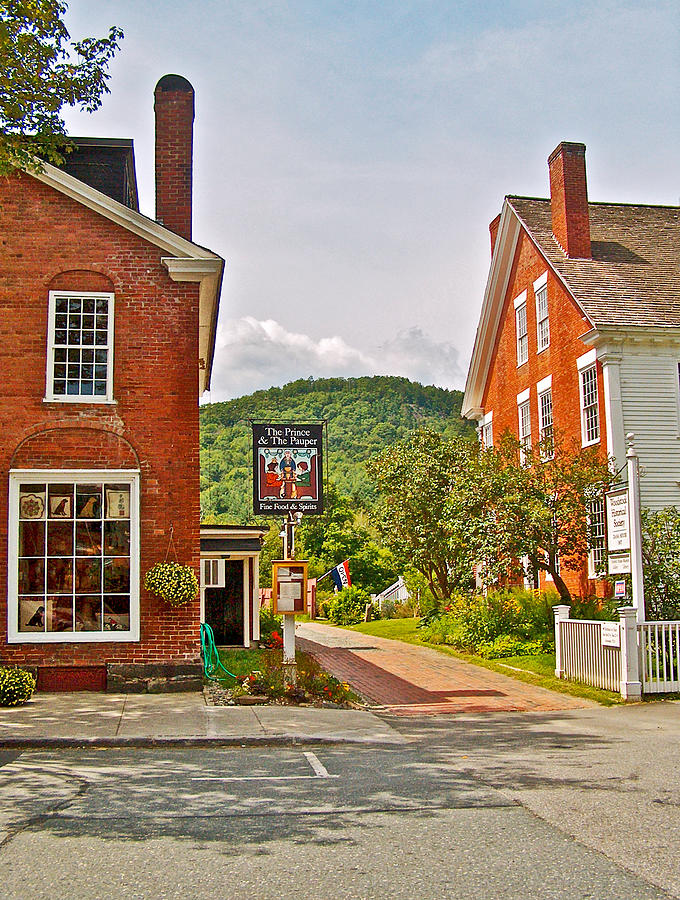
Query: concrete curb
[283,740]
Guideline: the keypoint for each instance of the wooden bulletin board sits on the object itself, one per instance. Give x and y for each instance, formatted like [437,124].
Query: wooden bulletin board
[289,586]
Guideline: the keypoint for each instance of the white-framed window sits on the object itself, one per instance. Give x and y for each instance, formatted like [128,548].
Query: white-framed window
[73,558]
[545,418]
[213,573]
[556,563]
[80,347]
[597,555]
[542,322]
[590,413]
[521,328]
[524,425]
[486,431]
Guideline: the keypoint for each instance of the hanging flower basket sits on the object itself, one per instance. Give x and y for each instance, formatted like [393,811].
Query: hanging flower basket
[175,583]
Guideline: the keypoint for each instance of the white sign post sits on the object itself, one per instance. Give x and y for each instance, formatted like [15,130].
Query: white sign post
[635,529]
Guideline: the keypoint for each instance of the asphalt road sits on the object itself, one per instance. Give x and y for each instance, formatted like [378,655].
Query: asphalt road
[483,807]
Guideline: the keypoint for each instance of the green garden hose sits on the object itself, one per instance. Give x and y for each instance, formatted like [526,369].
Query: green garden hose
[211,657]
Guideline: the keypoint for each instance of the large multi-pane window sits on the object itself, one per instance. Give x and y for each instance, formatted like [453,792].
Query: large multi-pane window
[522,333]
[73,558]
[590,416]
[597,557]
[80,347]
[545,423]
[542,322]
[524,416]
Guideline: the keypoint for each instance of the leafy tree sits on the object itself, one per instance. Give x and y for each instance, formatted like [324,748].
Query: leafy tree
[427,503]
[536,507]
[43,71]
[336,535]
[661,563]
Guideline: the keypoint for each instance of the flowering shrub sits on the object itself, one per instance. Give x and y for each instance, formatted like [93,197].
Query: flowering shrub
[16,686]
[173,582]
[274,641]
[312,683]
[502,623]
[270,629]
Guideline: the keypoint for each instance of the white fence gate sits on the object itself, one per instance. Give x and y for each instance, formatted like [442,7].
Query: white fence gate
[659,644]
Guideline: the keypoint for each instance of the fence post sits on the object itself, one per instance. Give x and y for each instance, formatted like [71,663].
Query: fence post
[631,686]
[561,613]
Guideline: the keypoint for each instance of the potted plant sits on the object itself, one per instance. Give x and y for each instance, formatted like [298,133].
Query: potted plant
[175,583]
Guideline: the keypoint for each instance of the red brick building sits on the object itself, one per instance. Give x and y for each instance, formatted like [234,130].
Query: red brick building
[107,328]
[580,332]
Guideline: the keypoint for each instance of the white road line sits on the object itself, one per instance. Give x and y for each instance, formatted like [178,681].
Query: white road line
[320,770]
[262,777]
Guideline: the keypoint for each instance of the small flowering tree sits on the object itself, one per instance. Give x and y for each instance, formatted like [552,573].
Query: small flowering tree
[536,504]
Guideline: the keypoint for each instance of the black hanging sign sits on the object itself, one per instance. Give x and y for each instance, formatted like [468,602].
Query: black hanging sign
[287,469]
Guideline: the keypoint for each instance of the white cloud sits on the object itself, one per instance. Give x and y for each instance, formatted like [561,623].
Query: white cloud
[417,356]
[253,354]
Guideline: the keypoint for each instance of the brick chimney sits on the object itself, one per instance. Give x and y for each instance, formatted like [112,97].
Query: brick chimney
[493,231]
[569,199]
[174,107]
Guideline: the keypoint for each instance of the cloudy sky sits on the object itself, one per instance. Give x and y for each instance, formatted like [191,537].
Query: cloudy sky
[349,155]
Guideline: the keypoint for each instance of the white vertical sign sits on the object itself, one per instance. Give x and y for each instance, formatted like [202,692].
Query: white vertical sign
[618,523]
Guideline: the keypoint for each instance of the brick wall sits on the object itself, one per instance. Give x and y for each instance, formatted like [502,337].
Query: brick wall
[52,242]
[506,380]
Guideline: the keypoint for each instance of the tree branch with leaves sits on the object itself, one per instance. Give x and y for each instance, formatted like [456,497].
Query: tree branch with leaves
[43,71]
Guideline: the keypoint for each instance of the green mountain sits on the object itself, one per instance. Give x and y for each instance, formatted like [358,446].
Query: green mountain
[364,415]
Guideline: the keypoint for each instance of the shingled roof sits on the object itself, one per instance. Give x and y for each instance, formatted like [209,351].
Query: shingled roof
[633,278]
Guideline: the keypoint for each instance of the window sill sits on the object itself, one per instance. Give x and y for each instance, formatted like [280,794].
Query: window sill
[589,443]
[89,401]
[540,350]
[73,637]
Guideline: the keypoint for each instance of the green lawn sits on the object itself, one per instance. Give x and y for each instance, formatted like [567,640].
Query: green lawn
[538,670]
[397,629]
[240,661]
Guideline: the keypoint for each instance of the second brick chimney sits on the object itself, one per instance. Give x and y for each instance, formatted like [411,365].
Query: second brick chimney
[569,199]
[174,107]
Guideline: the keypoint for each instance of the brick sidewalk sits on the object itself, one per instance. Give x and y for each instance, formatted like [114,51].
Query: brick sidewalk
[408,680]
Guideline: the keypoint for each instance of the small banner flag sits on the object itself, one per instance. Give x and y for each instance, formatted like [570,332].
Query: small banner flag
[340,575]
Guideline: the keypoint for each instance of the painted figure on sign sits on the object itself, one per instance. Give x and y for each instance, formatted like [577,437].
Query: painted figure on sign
[288,469]
[272,476]
[304,478]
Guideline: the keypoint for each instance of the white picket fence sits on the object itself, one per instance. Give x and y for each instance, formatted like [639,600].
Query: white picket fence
[646,660]
[659,647]
[584,657]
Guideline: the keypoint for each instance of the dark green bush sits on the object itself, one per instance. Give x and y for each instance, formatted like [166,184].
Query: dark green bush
[16,686]
[348,606]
